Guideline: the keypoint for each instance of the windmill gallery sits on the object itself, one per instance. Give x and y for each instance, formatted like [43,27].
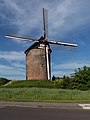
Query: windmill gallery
[38,55]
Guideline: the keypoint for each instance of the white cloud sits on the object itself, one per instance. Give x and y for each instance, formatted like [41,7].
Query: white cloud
[18,65]
[71,65]
[6,69]
[12,55]
[69,15]
[14,67]
[23,14]
[12,72]
[61,73]
[64,15]
[68,68]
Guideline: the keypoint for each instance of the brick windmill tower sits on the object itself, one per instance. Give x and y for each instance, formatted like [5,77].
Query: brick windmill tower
[38,55]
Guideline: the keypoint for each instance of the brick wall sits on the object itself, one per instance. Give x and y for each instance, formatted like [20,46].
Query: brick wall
[36,64]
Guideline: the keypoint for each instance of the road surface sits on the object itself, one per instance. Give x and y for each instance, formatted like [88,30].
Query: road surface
[28,113]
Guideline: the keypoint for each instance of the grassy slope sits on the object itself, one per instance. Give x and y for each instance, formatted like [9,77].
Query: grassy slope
[40,91]
[44,94]
[29,83]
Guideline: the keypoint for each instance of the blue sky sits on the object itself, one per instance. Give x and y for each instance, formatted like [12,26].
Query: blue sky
[68,20]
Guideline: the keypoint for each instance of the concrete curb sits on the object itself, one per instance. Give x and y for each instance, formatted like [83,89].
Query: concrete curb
[42,105]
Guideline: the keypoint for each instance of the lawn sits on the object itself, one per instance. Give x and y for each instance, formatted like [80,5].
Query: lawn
[44,95]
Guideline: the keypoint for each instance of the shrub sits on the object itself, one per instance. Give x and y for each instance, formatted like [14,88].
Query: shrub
[3,81]
[58,83]
[81,79]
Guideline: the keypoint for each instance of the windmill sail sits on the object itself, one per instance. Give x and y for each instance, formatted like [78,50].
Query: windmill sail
[63,43]
[48,62]
[45,23]
[47,47]
[36,40]
[22,38]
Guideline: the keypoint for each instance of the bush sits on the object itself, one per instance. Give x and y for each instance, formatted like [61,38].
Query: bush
[3,81]
[63,83]
[81,79]
[58,83]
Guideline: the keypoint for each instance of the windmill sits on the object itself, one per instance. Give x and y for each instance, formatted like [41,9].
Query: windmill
[38,55]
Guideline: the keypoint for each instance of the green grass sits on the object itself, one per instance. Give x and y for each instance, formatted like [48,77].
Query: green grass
[40,91]
[44,95]
[29,83]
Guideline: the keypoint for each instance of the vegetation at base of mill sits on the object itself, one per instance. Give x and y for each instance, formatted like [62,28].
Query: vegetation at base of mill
[79,80]
[29,84]
[44,95]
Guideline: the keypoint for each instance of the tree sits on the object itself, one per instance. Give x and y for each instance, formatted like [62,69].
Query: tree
[53,78]
[81,79]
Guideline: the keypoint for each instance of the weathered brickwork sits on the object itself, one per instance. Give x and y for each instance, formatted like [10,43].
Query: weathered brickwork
[36,64]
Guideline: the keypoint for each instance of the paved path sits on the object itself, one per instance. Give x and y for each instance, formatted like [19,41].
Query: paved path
[42,105]
[46,105]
